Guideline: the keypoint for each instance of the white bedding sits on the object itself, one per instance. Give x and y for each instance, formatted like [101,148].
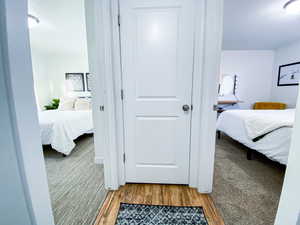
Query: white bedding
[275,145]
[60,128]
[260,122]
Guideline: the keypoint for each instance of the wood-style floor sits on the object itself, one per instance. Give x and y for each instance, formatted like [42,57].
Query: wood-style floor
[156,194]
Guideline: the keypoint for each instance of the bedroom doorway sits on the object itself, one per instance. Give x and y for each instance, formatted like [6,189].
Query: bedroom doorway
[108,64]
[258,91]
[63,90]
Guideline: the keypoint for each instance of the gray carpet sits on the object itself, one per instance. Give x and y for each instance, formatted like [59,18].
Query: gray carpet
[76,184]
[245,192]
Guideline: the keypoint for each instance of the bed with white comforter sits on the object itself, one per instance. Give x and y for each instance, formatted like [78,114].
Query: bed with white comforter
[266,131]
[60,128]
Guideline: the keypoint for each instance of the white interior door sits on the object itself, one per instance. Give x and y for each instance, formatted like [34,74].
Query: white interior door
[157,65]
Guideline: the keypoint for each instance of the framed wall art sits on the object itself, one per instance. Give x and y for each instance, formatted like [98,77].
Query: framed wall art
[289,74]
[88,79]
[75,81]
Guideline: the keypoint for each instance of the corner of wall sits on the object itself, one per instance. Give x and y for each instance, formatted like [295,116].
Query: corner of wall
[285,55]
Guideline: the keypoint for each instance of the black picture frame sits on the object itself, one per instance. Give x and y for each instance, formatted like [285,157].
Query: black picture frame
[88,81]
[292,74]
[79,86]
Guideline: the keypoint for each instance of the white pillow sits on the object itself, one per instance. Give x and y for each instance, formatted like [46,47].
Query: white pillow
[66,104]
[82,104]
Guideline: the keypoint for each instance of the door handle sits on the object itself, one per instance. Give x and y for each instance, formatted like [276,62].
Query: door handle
[186,108]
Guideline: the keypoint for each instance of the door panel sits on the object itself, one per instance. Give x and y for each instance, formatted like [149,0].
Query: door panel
[157,61]
[156,37]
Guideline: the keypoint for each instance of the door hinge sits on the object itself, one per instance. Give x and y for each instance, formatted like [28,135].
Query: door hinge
[192,107]
[101,107]
[119,20]
[124,158]
[122,94]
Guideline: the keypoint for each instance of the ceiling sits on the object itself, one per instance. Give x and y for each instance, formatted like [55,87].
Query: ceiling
[248,25]
[258,25]
[61,28]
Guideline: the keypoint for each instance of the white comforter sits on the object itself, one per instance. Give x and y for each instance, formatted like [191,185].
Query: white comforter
[60,128]
[245,125]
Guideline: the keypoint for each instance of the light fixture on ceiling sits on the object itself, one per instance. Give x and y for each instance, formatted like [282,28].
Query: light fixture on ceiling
[292,6]
[32,21]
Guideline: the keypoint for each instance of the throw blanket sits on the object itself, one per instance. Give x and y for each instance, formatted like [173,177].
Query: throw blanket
[261,122]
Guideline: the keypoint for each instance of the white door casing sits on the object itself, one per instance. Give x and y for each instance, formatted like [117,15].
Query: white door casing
[157,41]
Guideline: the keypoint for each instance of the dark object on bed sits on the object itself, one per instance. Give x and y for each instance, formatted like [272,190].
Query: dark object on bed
[267,106]
[262,136]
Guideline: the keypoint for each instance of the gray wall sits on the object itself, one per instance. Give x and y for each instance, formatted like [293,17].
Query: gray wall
[14,209]
[24,195]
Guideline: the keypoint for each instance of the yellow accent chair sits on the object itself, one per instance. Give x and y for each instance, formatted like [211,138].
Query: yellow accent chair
[269,105]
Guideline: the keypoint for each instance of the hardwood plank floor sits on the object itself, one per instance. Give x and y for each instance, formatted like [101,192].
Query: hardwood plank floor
[156,194]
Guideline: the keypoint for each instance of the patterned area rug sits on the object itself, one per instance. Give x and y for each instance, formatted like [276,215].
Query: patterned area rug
[139,214]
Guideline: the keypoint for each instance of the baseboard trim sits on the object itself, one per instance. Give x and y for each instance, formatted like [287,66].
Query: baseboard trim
[99,160]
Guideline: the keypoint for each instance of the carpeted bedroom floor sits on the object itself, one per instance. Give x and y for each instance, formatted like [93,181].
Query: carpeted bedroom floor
[245,192]
[76,184]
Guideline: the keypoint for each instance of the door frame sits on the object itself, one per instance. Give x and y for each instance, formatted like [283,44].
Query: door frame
[183,10]
[105,62]
[26,152]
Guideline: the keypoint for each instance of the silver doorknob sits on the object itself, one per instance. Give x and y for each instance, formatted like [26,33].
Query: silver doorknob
[185,108]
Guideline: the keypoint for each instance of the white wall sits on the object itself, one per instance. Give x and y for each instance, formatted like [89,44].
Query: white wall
[41,78]
[285,55]
[254,70]
[289,207]
[60,64]
[49,73]
[58,45]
